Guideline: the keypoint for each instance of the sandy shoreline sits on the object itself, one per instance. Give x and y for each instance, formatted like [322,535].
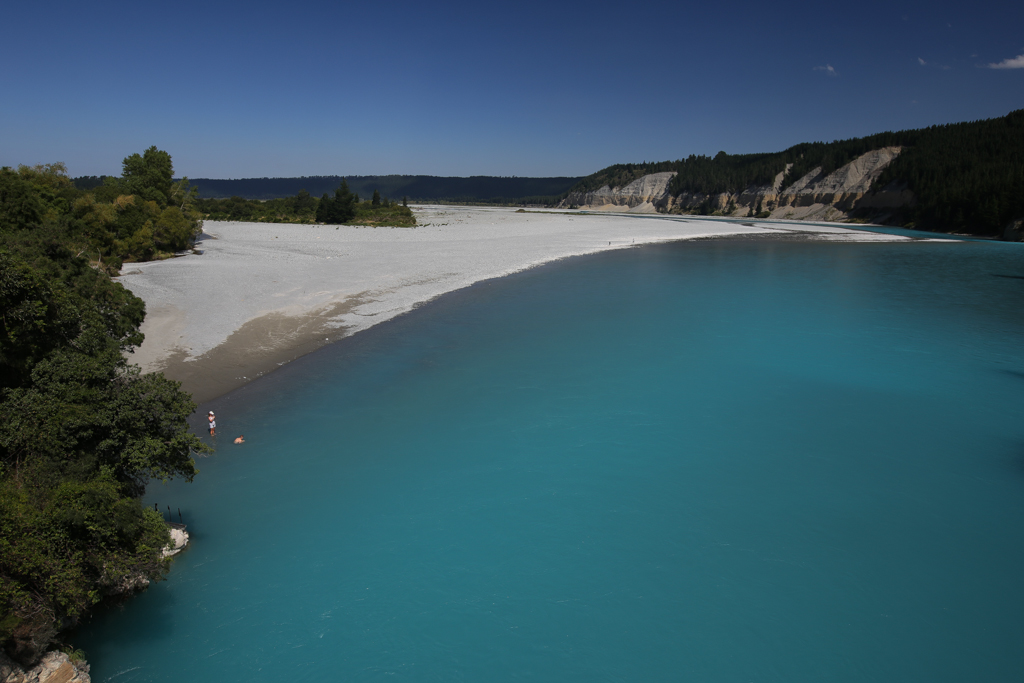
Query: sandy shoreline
[260,295]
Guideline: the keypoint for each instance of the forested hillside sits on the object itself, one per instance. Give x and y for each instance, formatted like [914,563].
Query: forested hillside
[82,431]
[967,177]
[964,177]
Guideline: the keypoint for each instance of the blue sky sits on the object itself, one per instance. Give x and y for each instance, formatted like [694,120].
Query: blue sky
[257,89]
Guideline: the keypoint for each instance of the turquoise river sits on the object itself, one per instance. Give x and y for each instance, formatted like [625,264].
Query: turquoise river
[727,460]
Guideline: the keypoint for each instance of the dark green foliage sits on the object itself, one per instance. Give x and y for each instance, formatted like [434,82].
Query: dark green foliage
[735,172]
[148,175]
[342,208]
[89,182]
[234,209]
[19,202]
[386,212]
[339,209]
[303,203]
[321,207]
[82,431]
[140,216]
[475,189]
[966,177]
[65,547]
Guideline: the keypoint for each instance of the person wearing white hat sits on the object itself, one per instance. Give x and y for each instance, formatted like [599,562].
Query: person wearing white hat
[213,424]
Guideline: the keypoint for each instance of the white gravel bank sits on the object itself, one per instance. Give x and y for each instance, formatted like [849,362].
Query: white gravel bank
[262,294]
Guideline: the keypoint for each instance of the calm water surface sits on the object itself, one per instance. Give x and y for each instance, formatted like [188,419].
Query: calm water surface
[714,461]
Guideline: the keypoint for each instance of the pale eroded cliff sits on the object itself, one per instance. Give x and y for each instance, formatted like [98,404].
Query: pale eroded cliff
[644,195]
[815,196]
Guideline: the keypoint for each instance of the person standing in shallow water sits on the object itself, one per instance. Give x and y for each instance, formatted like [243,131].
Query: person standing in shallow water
[213,423]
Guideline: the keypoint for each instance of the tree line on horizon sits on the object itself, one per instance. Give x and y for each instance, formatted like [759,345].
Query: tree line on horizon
[417,188]
[965,177]
[83,432]
[337,208]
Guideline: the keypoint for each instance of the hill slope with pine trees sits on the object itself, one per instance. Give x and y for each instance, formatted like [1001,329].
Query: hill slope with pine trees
[961,177]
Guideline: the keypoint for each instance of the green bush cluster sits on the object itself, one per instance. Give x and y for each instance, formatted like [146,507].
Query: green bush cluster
[298,209]
[343,208]
[140,216]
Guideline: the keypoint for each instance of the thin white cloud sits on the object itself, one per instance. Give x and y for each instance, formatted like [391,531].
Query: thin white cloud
[1015,63]
[921,61]
[827,69]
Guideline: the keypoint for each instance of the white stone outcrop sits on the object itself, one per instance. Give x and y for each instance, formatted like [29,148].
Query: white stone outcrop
[643,195]
[55,667]
[179,539]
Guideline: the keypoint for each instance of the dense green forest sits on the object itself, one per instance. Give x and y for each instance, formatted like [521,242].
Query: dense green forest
[82,431]
[342,206]
[965,177]
[420,189]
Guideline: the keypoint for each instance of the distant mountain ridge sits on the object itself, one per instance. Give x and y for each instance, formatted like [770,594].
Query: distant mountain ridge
[417,188]
[961,177]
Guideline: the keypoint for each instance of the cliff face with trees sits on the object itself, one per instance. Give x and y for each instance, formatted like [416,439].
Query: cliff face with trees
[963,177]
[82,431]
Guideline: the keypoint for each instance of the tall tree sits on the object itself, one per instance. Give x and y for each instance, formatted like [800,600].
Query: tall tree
[149,175]
[325,209]
[340,209]
[303,202]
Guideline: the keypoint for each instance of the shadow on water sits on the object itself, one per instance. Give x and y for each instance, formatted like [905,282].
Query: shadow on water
[159,625]
[1009,277]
